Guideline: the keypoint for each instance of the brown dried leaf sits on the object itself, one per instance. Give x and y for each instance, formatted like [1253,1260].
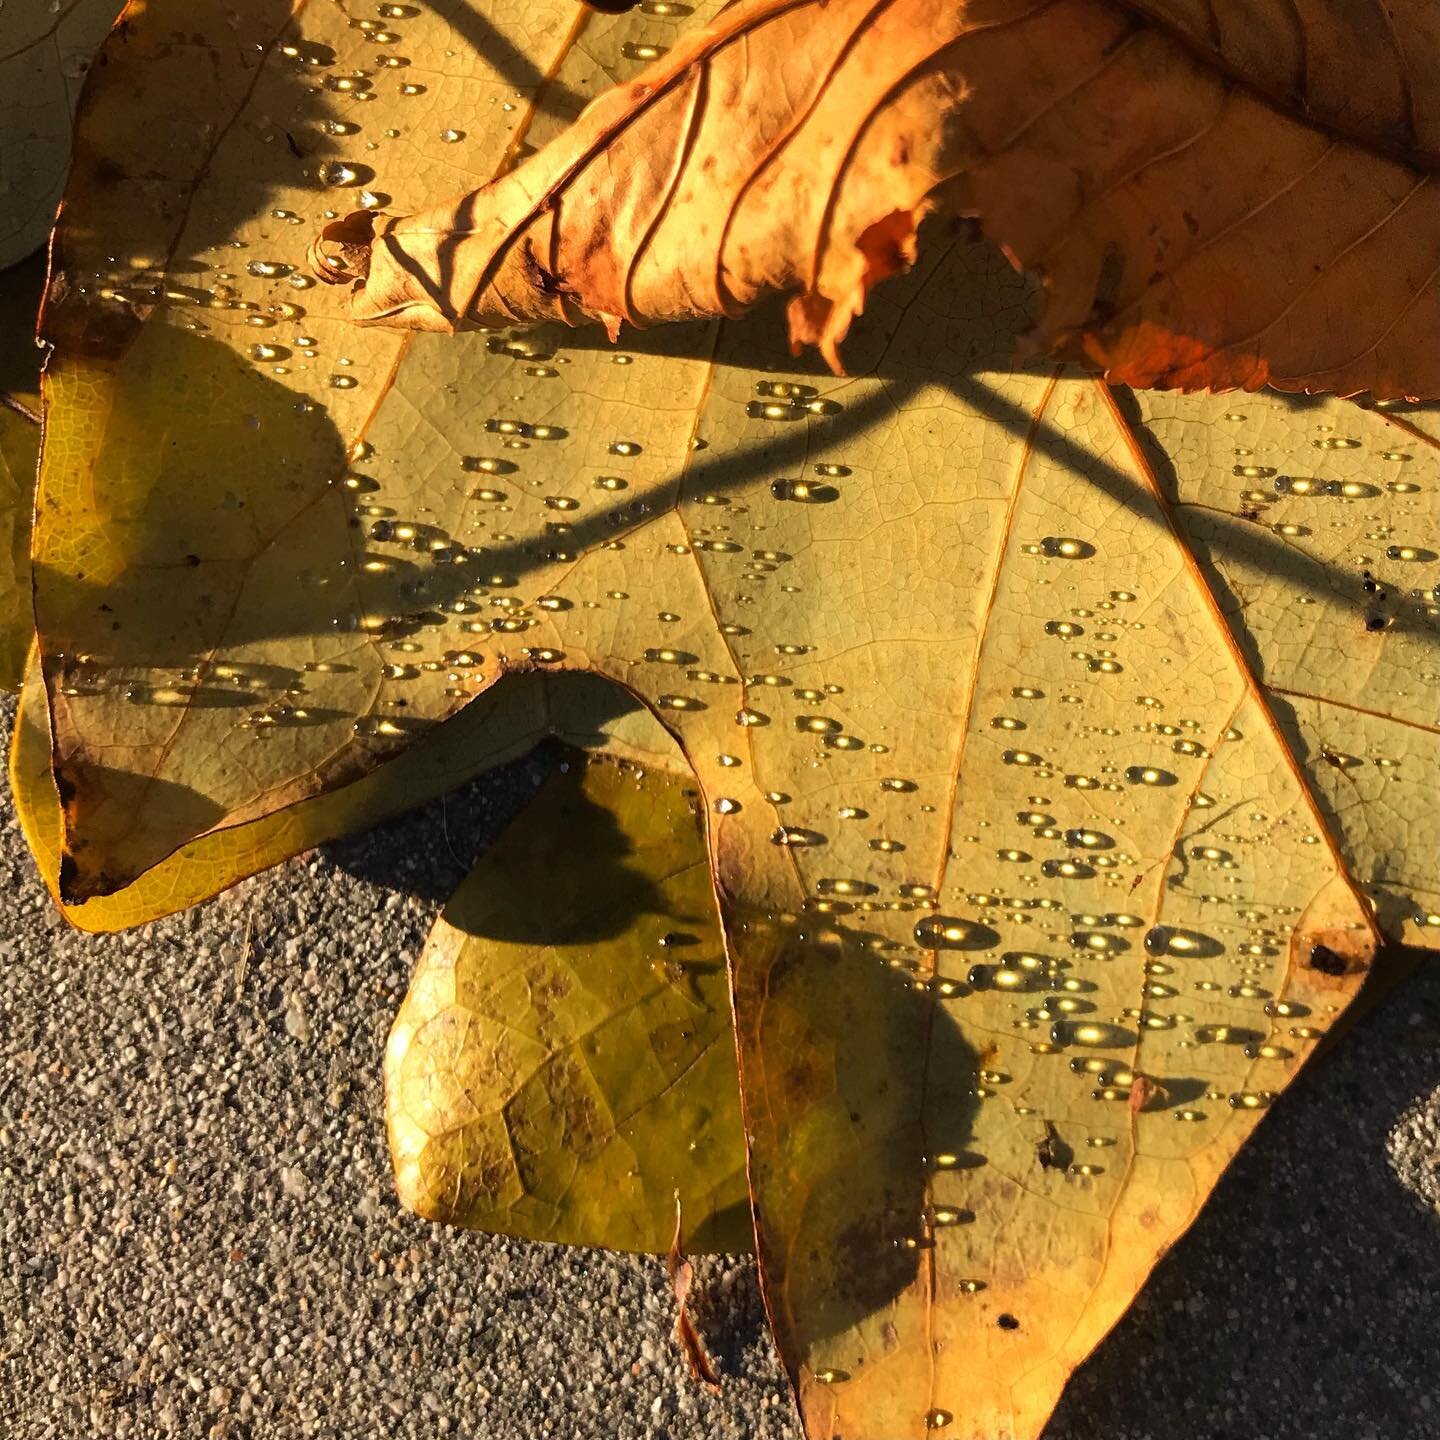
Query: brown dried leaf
[682,1278]
[1202,199]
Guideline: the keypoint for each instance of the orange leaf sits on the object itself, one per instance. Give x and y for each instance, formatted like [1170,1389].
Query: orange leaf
[1201,200]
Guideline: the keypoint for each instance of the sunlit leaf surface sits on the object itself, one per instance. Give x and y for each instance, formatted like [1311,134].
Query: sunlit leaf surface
[502,724]
[1014,711]
[564,1063]
[45,50]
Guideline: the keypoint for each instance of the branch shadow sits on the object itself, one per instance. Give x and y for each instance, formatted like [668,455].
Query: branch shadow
[551,95]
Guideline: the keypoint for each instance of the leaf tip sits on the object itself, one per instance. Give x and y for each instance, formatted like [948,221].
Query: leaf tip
[340,253]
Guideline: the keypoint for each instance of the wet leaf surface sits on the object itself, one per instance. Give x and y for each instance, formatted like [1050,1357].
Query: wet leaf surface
[1056,744]
[564,1063]
[504,724]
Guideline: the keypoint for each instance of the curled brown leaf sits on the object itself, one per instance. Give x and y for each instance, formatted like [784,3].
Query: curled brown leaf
[682,1277]
[1200,201]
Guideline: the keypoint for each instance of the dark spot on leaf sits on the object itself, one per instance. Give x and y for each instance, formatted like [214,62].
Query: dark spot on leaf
[1326,960]
[1051,1151]
[1008,1322]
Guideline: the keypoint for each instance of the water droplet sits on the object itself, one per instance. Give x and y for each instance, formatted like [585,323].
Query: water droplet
[1148,775]
[375,725]
[946,932]
[337,173]
[1250,1099]
[900,786]
[1065,547]
[1021,757]
[804,491]
[1096,941]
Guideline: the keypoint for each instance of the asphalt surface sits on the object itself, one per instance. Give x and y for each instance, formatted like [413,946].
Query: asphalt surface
[198,1235]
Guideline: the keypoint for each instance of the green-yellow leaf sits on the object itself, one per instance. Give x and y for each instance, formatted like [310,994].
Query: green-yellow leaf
[564,1062]
[1013,714]
[506,723]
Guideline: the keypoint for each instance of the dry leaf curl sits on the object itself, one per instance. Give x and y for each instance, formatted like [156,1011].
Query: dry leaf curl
[1202,198]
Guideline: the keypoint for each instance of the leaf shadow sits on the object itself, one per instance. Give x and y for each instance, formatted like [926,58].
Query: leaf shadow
[540,891]
[849,1119]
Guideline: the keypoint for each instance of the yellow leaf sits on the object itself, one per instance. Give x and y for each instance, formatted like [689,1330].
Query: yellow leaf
[564,1063]
[1034,889]
[503,724]
[45,50]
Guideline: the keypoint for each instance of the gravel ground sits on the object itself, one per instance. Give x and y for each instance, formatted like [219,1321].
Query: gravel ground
[198,1235]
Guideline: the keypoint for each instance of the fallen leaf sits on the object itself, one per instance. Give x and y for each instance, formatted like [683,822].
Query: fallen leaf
[1200,200]
[682,1280]
[563,1067]
[45,51]
[1015,713]
[503,725]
